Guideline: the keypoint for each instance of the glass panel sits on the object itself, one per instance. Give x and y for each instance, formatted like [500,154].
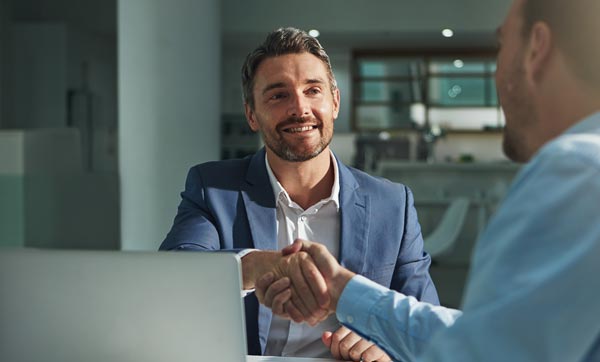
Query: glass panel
[381,117]
[392,67]
[394,92]
[461,91]
[459,65]
[466,118]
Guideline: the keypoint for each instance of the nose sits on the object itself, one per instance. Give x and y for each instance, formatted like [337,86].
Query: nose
[299,106]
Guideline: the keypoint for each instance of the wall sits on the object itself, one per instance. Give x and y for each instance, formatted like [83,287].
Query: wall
[48,201]
[5,45]
[169,113]
[92,71]
[39,76]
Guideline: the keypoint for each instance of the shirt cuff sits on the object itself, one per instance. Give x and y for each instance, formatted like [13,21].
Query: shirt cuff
[245,252]
[356,301]
[242,254]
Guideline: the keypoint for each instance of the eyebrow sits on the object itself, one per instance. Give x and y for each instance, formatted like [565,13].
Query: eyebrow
[282,85]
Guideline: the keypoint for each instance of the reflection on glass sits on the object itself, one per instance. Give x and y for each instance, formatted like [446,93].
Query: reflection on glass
[370,117]
[461,91]
[399,92]
[397,67]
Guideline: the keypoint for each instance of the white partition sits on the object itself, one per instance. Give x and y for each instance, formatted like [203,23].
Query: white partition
[47,200]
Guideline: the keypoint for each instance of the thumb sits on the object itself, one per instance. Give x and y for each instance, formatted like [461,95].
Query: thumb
[295,247]
[326,338]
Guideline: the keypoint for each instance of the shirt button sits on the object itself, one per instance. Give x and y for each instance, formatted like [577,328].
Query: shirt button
[303,218]
[350,319]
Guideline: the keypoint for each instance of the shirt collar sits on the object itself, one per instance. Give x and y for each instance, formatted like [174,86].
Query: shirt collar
[589,123]
[279,191]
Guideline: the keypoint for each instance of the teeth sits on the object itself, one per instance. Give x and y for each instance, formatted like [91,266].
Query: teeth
[300,129]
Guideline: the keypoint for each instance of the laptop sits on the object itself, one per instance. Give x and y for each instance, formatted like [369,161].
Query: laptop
[104,306]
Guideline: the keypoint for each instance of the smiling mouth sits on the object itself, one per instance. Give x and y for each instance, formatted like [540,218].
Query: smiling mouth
[300,129]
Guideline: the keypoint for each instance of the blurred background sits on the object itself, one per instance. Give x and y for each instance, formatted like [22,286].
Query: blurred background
[105,105]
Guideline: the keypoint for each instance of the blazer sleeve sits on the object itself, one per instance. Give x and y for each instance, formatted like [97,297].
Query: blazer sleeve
[194,227]
[411,274]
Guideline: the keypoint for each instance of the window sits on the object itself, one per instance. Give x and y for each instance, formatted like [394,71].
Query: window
[453,91]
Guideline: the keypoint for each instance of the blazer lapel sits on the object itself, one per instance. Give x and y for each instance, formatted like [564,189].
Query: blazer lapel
[354,221]
[260,204]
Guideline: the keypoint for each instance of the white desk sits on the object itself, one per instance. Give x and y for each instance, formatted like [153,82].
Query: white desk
[286,359]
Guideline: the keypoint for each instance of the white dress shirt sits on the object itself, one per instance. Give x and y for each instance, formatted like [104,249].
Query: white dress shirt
[320,222]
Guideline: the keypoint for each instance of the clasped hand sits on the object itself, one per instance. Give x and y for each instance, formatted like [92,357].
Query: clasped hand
[305,287]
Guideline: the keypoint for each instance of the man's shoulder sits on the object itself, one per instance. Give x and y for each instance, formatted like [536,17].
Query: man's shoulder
[374,184]
[221,174]
[238,165]
[585,146]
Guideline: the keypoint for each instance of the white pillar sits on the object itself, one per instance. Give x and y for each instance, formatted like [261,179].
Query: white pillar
[169,108]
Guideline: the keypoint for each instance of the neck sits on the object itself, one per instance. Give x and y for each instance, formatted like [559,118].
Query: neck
[306,182]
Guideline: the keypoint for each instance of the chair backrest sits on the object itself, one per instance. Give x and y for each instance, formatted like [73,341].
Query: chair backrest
[445,235]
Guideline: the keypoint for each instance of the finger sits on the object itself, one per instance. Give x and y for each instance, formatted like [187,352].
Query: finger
[302,287]
[375,353]
[358,349]
[262,284]
[336,340]
[293,312]
[278,305]
[295,247]
[298,302]
[347,343]
[326,337]
[316,282]
[273,290]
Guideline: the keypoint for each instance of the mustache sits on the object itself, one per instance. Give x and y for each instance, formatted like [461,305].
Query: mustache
[292,121]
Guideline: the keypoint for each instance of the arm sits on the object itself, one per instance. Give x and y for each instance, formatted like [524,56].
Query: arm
[533,288]
[196,228]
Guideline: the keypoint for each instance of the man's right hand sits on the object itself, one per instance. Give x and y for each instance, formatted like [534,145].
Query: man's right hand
[306,290]
[275,291]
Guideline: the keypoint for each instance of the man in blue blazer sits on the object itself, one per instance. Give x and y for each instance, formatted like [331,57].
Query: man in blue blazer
[296,188]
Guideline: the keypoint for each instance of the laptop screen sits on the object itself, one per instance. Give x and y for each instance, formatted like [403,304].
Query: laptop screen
[120,306]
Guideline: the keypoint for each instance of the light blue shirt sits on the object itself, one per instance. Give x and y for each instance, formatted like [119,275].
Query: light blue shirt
[533,292]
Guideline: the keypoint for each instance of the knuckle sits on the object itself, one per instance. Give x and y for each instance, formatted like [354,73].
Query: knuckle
[355,354]
[345,346]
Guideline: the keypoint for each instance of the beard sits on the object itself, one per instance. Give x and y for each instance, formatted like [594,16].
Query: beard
[293,152]
[520,117]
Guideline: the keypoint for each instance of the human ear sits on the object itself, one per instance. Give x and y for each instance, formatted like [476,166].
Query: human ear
[336,103]
[251,117]
[539,51]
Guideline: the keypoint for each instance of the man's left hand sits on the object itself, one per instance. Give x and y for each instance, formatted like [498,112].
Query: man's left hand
[349,346]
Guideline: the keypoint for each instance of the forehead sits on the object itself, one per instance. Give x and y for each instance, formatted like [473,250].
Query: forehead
[289,68]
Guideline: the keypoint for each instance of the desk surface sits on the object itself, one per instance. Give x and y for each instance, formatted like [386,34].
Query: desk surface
[292,359]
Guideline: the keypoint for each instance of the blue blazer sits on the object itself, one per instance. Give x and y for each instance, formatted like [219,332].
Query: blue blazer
[230,205]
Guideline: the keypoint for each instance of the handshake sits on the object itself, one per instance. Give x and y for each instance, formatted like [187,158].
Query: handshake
[303,283]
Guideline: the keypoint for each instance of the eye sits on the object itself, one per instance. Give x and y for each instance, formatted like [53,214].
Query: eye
[277,96]
[314,90]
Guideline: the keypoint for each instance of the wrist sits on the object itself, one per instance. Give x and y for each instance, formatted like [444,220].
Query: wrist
[337,285]
[255,264]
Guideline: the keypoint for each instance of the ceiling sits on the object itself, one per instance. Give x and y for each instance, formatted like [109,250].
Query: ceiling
[343,23]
